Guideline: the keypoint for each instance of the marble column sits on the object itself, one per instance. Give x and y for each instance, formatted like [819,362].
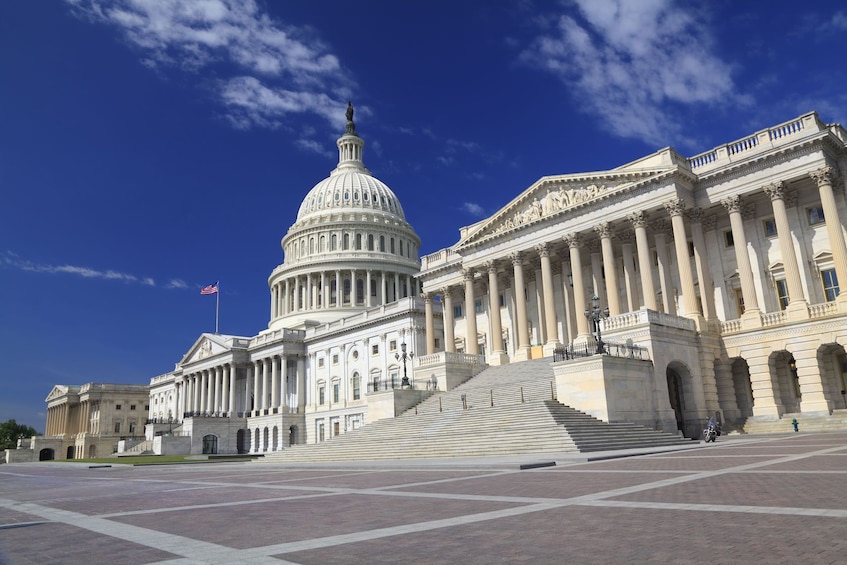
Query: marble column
[265,382]
[645,265]
[471,345]
[824,177]
[204,392]
[496,356]
[339,289]
[665,281]
[752,314]
[798,307]
[579,296]
[231,402]
[676,209]
[604,231]
[274,382]
[368,289]
[257,387]
[701,262]
[549,300]
[449,322]
[522,351]
[430,323]
[626,238]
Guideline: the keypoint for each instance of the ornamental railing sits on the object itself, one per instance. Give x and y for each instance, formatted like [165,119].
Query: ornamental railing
[577,351]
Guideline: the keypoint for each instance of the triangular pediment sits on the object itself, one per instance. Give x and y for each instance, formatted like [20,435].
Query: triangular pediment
[207,345]
[60,391]
[555,196]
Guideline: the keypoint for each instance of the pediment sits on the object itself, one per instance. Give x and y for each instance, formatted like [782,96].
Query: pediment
[207,345]
[61,391]
[554,196]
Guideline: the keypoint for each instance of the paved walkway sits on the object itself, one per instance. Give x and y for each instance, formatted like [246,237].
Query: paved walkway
[765,499]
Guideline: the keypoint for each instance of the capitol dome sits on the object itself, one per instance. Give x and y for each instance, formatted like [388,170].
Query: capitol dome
[349,249]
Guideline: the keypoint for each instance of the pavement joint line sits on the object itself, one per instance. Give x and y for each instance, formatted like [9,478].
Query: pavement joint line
[787,510]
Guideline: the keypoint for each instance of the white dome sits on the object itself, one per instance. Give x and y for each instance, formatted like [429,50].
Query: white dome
[350,191]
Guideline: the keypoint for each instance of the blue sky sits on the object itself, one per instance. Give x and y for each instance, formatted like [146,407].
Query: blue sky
[148,147]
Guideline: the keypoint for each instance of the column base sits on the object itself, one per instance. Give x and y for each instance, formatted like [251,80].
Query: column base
[550,347]
[522,354]
[797,311]
[497,358]
[751,319]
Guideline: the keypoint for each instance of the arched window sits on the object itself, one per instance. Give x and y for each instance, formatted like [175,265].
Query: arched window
[346,290]
[392,246]
[356,386]
[360,291]
[346,242]
[382,243]
[333,243]
[332,291]
[358,241]
[312,245]
[295,250]
[323,243]
[370,242]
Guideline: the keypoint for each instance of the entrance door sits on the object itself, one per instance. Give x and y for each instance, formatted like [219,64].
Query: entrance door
[335,428]
[210,444]
[675,397]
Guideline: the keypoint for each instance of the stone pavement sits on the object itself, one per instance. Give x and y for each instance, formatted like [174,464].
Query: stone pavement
[746,499]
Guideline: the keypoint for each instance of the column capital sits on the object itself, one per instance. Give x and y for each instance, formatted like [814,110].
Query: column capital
[468,274]
[775,190]
[543,249]
[824,175]
[490,266]
[427,297]
[446,291]
[675,206]
[732,203]
[572,240]
[516,258]
[695,215]
[638,219]
[603,229]
[709,222]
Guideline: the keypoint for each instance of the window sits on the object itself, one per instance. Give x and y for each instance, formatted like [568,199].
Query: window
[477,306]
[346,244]
[376,383]
[132,427]
[728,239]
[769,226]
[782,293]
[132,406]
[357,387]
[375,349]
[392,245]
[117,406]
[370,242]
[392,345]
[333,243]
[830,284]
[146,407]
[690,252]
[358,241]
[320,363]
[457,311]
[335,358]
[321,394]
[117,427]
[336,392]
[437,343]
[502,300]
[739,301]
[815,215]
[382,243]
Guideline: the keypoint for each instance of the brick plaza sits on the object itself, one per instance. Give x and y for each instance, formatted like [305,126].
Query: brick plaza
[747,499]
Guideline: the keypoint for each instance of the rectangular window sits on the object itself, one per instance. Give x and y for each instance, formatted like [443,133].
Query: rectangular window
[117,406]
[502,300]
[335,358]
[375,349]
[132,427]
[132,406]
[147,407]
[457,312]
[437,343]
[320,363]
[321,395]
[117,427]
[357,390]
[782,293]
[477,306]
[739,301]
[336,392]
[769,226]
[815,215]
[830,284]
[728,239]
[392,345]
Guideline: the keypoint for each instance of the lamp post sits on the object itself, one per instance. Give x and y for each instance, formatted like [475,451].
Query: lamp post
[404,356]
[595,315]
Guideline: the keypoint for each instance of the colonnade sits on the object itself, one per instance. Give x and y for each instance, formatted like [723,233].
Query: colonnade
[603,264]
[338,288]
[68,418]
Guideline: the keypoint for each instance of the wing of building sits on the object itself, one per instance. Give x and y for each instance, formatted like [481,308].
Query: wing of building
[708,285]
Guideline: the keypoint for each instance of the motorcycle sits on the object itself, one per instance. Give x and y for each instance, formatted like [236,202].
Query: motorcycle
[711,432]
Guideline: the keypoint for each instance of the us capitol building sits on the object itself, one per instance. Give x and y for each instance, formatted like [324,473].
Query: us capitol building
[663,291]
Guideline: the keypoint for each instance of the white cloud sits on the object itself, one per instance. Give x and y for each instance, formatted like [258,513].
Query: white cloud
[12,260]
[279,69]
[473,209]
[629,62]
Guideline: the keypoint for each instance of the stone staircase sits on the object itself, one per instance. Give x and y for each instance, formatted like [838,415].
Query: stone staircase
[835,422]
[506,410]
[142,448]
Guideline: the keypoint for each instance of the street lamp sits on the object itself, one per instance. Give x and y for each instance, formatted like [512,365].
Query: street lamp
[595,315]
[404,357]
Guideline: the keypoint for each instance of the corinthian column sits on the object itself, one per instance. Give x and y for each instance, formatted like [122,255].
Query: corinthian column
[701,262]
[823,177]
[752,314]
[665,282]
[495,326]
[579,297]
[626,238]
[449,321]
[471,345]
[798,308]
[430,323]
[645,266]
[676,209]
[522,350]
[549,300]
[604,231]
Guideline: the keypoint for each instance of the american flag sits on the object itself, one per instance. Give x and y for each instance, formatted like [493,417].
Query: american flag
[209,289]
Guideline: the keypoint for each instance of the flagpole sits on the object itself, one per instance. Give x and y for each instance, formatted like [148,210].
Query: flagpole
[217,306]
